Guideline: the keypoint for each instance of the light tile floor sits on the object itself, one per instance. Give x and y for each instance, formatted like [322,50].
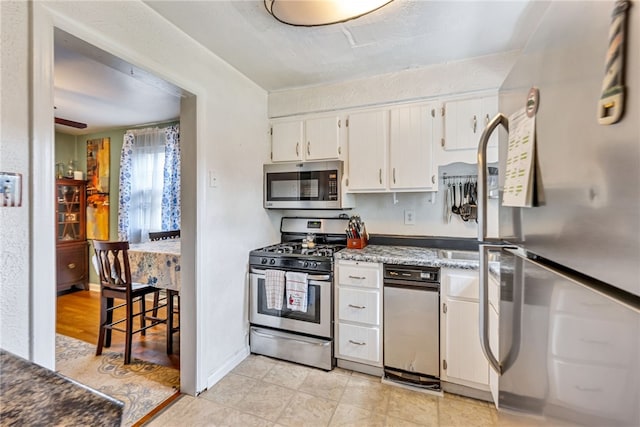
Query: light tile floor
[268,392]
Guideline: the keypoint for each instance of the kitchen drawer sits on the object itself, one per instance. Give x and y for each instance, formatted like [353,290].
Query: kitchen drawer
[359,343]
[592,339]
[72,264]
[461,283]
[357,305]
[591,388]
[356,273]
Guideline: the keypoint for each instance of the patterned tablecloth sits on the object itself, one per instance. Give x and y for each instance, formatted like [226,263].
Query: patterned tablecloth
[156,263]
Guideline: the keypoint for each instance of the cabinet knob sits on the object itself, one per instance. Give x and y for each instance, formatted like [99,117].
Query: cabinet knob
[357,343]
[433,179]
[360,307]
[297,149]
[475,123]
[380,175]
[394,175]
[309,148]
[71,266]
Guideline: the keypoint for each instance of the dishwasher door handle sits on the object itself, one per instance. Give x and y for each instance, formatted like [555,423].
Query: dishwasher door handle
[408,284]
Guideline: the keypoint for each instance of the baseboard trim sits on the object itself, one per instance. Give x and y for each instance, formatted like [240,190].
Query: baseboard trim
[227,367]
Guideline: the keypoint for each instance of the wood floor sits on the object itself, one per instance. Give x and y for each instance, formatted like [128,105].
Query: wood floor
[78,316]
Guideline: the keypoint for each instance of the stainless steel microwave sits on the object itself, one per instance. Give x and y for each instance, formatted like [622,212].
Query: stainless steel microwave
[310,185]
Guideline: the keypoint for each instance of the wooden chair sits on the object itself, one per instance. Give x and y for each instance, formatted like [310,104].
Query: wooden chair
[115,283]
[172,306]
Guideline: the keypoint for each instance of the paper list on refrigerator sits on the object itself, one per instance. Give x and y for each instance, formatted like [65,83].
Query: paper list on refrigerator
[520,167]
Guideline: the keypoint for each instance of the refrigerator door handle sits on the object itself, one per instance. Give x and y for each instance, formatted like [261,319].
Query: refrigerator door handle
[495,364]
[499,119]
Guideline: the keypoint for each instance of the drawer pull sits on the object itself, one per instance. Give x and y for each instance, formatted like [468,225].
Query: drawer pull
[361,307]
[357,277]
[71,266]
[589,389]
[357,343]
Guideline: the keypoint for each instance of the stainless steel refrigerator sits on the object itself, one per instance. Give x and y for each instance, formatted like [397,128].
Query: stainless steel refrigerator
[569,309]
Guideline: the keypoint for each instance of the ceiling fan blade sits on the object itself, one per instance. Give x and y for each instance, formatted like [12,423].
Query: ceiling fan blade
[70,123]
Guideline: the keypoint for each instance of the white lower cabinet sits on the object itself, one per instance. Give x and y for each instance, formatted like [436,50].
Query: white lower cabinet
[462,359]
[359,343]
[358,315]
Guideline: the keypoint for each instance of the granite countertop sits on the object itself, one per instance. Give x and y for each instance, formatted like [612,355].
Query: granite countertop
[410,255]
[406,255]
[33,395]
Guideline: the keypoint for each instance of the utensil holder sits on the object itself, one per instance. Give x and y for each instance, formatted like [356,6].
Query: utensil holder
[357,243]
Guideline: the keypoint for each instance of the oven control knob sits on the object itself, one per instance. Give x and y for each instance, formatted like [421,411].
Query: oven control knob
[314,264]
[263,261]
[272,261]
[306,264]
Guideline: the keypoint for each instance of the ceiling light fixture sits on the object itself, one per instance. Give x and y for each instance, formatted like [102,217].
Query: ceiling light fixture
[310,13]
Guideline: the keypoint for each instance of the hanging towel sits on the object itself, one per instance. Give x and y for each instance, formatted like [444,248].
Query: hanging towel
[274,287]
[297,288]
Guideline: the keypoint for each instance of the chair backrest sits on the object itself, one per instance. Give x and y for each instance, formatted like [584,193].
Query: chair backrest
[113,264]
[163,235]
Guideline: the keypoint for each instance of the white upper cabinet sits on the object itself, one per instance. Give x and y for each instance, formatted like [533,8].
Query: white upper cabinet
[464,122]
[306,140]
[368,134]
[322,138]
[391,149]
[286,141]
[411,148]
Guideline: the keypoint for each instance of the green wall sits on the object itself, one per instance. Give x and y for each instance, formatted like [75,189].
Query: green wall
[75,147]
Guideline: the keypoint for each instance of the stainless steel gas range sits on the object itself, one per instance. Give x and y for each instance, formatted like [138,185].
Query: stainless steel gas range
[281,327]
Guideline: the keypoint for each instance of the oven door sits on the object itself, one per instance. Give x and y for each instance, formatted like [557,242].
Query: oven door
[315,321]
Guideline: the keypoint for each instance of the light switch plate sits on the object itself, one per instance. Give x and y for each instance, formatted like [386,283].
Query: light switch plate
[10,189]
[409,217]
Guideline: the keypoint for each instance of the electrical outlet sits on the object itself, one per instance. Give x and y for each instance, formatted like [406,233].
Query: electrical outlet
[409,217]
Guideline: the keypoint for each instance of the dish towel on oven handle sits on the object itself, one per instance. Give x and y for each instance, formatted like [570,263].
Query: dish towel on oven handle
[297,289]
[274,288]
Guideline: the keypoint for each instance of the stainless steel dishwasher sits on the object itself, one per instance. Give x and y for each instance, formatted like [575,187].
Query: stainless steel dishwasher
[412,325]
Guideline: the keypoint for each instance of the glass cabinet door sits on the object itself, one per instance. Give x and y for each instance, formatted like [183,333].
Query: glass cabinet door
[70,196]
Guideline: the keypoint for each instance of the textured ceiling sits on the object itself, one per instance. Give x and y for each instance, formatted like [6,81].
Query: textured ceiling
[94,87]
[402,35]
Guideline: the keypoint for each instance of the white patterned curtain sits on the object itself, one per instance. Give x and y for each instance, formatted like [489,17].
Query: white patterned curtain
[171,189]
[143,172]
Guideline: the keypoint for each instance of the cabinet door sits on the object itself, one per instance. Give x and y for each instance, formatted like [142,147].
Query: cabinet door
[464,356]
[322,138]
[463,124]
[411,145]
[368,138]
[287,141]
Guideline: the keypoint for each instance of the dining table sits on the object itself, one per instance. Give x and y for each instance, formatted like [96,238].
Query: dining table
[157,263]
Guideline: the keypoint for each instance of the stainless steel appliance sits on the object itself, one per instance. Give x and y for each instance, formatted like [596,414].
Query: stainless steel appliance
[299,336]
[569,310]
[309,185]
[412,325]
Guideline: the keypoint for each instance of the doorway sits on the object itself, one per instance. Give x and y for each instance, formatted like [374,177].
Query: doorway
[44,331]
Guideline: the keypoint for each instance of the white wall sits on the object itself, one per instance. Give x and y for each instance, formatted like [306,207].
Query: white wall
[383,214]
[231,139]
[15,322]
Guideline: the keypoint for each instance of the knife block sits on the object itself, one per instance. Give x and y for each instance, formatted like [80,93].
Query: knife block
[357,243]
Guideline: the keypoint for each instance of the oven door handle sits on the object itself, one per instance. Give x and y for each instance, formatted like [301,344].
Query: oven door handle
[319,344]
[310,277]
